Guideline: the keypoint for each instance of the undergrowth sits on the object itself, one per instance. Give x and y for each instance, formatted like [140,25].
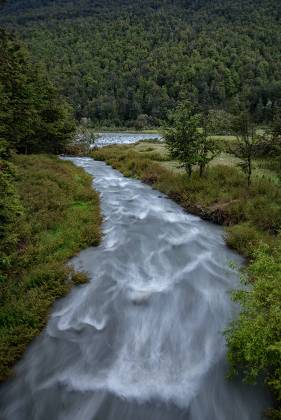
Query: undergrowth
[60,216]
[251,214]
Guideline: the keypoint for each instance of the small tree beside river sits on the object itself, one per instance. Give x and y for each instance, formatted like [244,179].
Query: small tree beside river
[186,141]
[246,143]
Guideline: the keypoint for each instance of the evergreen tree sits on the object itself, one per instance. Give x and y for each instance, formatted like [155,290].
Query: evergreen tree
[33,116]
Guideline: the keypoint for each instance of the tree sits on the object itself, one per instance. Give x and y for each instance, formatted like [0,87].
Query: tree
[207,147]
[86,139]
[33,116]
[57,127]
[187,138]
[275,129]
[247,140]
[142,121]
[207,151]
[183,137]
[18,114]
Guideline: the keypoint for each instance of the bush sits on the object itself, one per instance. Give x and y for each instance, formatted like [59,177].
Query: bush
[254,339]
[244,238]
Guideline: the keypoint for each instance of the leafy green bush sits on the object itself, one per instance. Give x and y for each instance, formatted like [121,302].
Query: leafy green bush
[245,237]
[254,338]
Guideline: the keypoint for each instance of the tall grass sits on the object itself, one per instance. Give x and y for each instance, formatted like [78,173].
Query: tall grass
[61,216]
[253,221]
[221,196]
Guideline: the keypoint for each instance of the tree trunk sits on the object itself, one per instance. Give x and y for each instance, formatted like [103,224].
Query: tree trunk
[249,171]
[188,169]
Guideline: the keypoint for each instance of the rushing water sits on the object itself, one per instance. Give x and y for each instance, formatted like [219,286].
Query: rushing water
[143,340]
[104,139]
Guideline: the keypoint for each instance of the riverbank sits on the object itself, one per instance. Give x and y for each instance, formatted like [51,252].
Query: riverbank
[252,217]
[60,217]
[250,214]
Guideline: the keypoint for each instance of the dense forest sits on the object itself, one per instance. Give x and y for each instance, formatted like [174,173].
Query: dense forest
[125,62]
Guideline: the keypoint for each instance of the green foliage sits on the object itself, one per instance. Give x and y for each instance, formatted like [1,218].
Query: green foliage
[33,116]
[272,137]
[120,60]
[10,211]
[247,140]
[219,122]
[185,142]
[182,136]
[61,216]
[208,147]
[245,238]
[221,197]
[254,339]
[275,129]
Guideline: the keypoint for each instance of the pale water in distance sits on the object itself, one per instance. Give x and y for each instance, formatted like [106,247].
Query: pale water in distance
[105,139]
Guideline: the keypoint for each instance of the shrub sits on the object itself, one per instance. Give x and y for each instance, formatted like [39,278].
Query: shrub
[254,337]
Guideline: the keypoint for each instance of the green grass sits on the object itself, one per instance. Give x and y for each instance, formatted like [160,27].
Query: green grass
[61,217]
[252,217]
[221,195]
[262,167]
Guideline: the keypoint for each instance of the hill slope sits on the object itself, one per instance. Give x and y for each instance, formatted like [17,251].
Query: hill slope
[118,59]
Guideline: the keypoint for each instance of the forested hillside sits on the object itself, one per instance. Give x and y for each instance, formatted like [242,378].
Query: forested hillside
[124,62]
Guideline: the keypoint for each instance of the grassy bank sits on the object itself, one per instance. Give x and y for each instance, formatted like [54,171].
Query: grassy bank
[250,214]
[252,217]
[60,217]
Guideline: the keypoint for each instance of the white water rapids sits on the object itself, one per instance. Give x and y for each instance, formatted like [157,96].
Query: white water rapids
[143,340]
